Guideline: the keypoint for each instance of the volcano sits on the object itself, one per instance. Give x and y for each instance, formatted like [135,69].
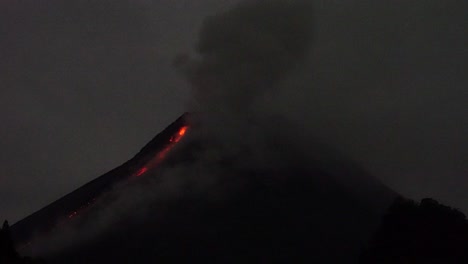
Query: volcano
[319,210]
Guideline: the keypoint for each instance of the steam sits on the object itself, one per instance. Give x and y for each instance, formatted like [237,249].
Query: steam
[242,56]
[245,51]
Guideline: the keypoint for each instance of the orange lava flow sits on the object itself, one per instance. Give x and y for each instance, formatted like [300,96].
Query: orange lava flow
[158,159]
[179,135]
[141,171]
[160,156]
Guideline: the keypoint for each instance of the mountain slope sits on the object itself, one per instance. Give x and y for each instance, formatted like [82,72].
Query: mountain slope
[68,206]
[208,204]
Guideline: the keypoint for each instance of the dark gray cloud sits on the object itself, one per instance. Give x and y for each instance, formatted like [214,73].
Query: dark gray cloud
[240,56]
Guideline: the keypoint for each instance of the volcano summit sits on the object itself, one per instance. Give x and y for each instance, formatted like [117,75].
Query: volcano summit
[191,202]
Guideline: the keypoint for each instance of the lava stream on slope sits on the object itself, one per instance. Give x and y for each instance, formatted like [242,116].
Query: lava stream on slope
[161,155]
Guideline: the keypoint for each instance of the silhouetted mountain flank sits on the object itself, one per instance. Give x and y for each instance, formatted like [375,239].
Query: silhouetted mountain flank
[69,205]
[204,206]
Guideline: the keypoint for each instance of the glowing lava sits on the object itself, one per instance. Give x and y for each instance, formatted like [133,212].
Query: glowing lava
[160,156]
[82,208]
[179,135]
[150,164]
[147,165]
[141,171]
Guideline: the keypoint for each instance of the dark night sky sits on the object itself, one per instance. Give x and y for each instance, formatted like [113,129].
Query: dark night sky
[85,84]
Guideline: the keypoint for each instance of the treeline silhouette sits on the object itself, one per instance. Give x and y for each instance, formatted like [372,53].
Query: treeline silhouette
[426,232]
[8,253]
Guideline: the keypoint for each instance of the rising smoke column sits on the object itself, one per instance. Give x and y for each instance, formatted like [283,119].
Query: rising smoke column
[242,54]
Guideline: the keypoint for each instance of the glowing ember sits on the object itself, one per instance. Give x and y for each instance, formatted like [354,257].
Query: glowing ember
[179,135]
[72,214]
[82,208]
[183,130]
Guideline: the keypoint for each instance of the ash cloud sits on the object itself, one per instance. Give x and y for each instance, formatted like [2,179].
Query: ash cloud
[245,51]
[242,55]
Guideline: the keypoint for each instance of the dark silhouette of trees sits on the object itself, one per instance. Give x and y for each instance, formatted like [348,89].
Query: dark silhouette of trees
[7,250]
[8,254]
[428,232]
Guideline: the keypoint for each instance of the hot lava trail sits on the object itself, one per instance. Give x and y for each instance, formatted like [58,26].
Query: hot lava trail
[82,199]
[161,155]
[152,163]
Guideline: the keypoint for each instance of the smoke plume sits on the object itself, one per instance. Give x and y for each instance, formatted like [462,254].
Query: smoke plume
[242,55]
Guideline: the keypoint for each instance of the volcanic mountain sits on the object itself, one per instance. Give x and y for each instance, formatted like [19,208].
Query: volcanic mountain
[193,203]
